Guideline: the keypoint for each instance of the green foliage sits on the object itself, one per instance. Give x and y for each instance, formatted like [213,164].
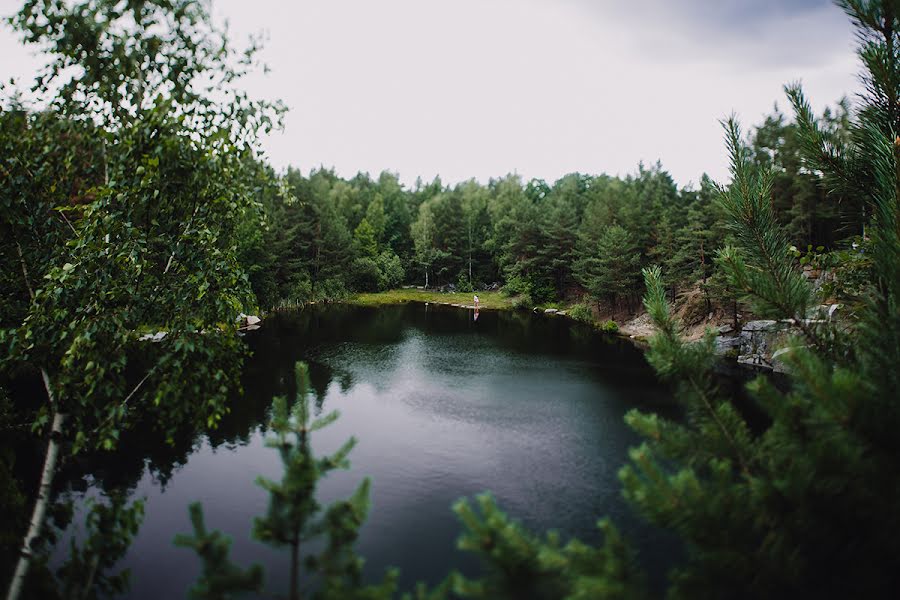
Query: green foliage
[542,240]
[611,270]
[773,285]
[148,230]
[523,302]
[799,504]
[609,326]
[523,566]
[365,275]
[366,242]
[121,198]
[390,270]
[581,312]
[110,529]
[532,290]
[221,579]
[799,199]
[294,517]
[133,200]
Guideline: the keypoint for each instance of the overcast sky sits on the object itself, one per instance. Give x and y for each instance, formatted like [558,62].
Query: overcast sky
[481,88]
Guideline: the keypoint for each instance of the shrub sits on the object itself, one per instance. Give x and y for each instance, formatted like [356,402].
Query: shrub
[365,275]
[463,284]
[523,301]
[331,289]
[609,326]
[581,312]
[390,270]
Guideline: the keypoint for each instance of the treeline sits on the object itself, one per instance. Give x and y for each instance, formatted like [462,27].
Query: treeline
[321,236]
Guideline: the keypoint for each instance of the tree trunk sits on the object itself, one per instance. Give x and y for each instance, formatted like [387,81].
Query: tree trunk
[43,498]
[295,567]
[92,572]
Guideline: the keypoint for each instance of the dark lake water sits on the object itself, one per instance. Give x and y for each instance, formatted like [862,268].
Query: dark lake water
[526,406]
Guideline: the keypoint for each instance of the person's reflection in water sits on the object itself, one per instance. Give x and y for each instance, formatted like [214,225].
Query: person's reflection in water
[475,316]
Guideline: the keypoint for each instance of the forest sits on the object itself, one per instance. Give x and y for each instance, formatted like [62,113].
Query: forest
[136,201]
[584,236]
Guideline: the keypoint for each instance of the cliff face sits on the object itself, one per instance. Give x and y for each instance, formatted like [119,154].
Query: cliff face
[761,343]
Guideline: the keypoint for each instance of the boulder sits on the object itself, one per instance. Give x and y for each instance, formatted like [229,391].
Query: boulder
[153,337]
[778,364]
[762,325]
[760,337]
[754,360]
[822,312]
[551,311]
[727,345]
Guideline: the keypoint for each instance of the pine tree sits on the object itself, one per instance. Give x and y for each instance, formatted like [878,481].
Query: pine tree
[221,579]
[295,518]
[612,271]
[523,566]
[802,503]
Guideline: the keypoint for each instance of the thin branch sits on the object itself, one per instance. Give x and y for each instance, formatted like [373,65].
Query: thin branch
[180,237]
[128,397]
[712,412]
[68,222]
[24,270]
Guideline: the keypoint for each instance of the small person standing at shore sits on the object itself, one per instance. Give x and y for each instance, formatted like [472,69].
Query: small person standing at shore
[476,301]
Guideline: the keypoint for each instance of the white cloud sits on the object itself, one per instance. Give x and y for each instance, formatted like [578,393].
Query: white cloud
[479,88]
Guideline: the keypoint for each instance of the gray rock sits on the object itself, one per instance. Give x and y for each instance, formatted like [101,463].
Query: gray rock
[754,360]
[727,344]
[551,311]
[762,325]
[778,364]
[822,312]
[153,337]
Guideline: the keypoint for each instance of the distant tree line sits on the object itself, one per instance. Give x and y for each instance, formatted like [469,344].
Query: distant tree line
[321,236]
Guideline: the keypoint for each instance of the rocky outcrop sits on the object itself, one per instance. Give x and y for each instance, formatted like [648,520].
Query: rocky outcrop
[153,337]
[248,322]
[762,343]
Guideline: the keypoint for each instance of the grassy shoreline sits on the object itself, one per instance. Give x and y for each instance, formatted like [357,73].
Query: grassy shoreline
[487,300]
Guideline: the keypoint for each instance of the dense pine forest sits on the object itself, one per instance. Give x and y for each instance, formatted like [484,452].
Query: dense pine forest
[585,236]
[140,221]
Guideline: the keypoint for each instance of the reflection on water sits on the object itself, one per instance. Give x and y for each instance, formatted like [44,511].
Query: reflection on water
[445,403]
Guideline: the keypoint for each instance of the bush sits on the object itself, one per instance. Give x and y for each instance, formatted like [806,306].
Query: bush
[365,275]
[463,284]
[609,326]
[331,289]
[581,312]
[390,270]
[300,292]
[539,291]
[523,301]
